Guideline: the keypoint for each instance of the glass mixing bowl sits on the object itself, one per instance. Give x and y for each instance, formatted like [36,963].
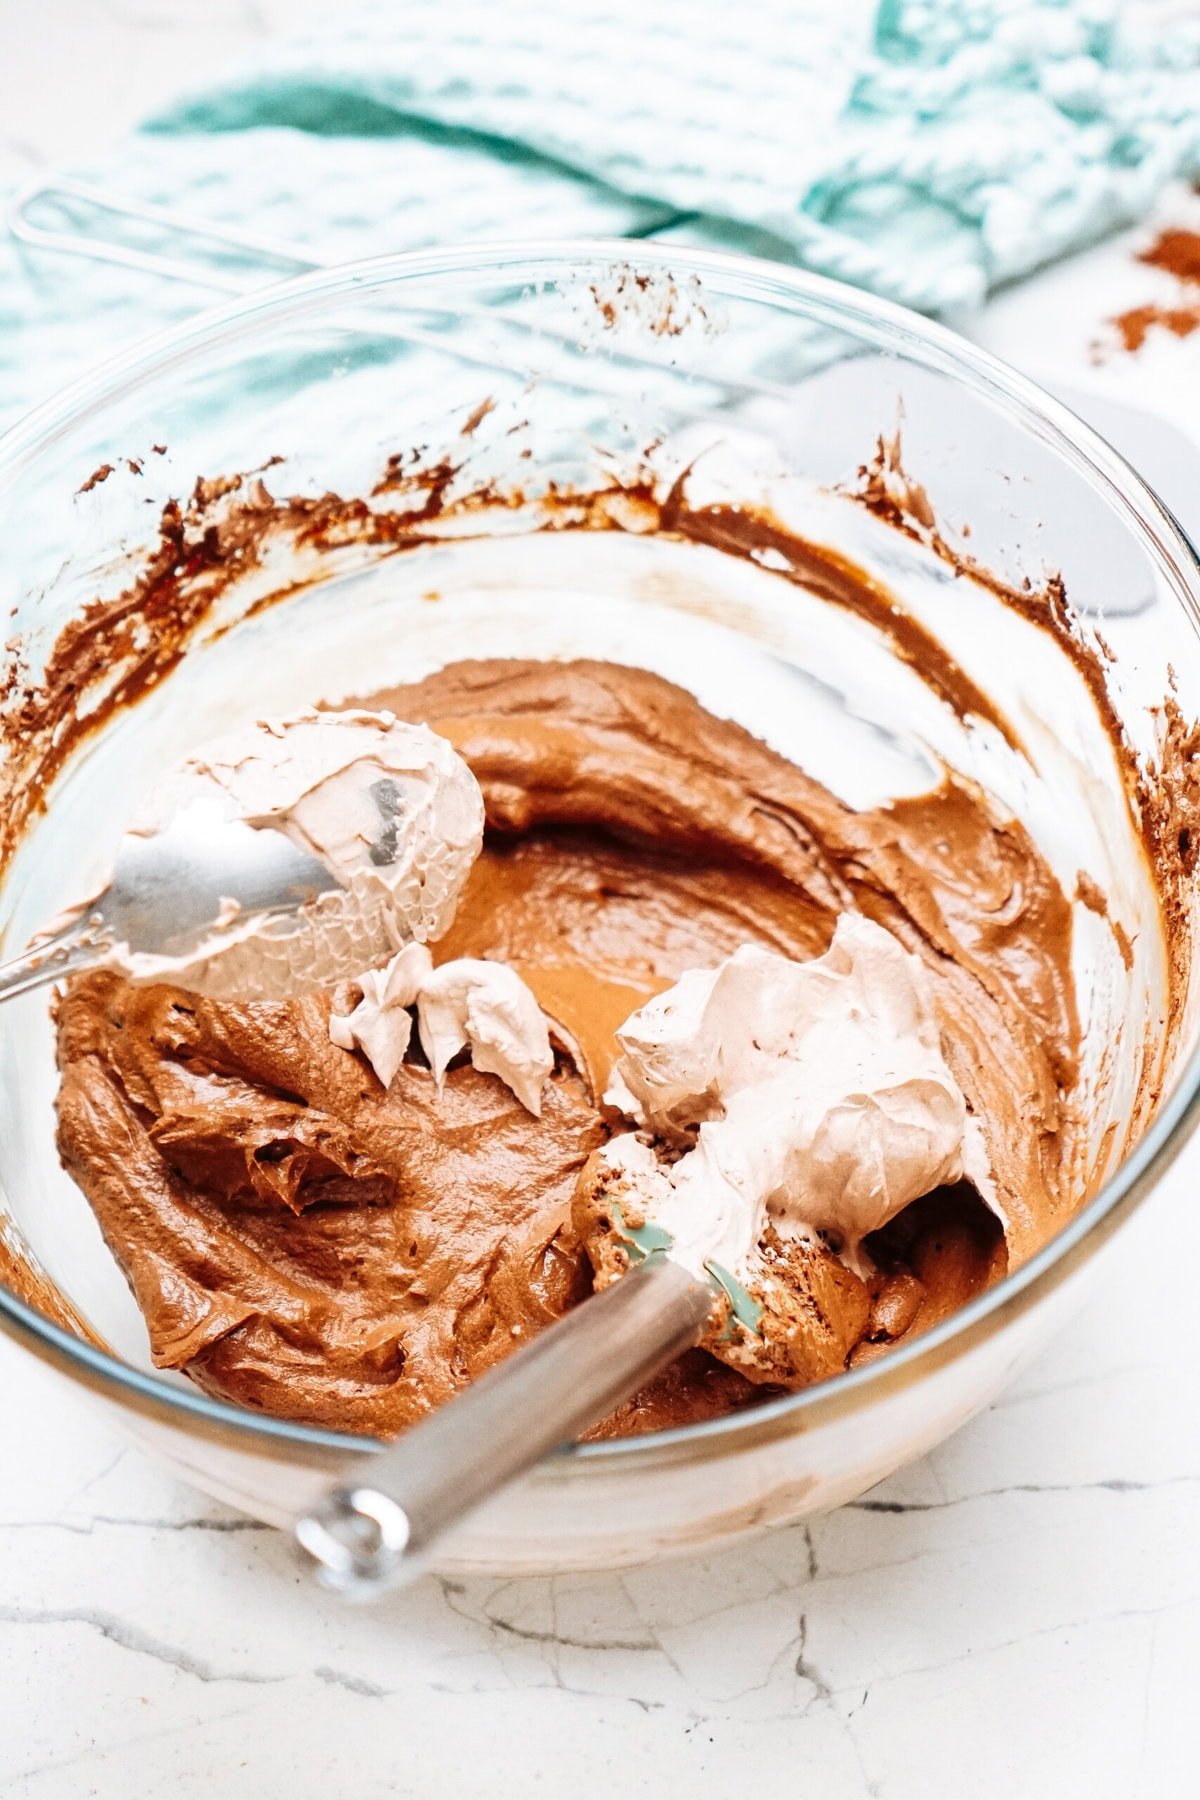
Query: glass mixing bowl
[526,375]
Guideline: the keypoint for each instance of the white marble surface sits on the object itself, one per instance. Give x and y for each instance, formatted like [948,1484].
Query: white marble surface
[1019,1614]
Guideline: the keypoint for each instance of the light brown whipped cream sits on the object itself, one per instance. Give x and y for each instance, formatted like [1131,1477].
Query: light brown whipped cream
[465,1004]
[811,1093]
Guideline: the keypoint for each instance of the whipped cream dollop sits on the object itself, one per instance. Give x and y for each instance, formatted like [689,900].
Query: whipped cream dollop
[388,807]
[811,1095]
[465,1003]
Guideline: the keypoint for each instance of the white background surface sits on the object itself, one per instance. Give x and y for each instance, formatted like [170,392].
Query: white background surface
[1017,1615]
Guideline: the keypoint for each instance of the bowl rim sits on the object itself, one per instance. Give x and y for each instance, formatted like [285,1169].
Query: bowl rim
[926,342]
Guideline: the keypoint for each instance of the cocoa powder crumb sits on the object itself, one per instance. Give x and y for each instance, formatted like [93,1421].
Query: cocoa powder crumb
[1176,252]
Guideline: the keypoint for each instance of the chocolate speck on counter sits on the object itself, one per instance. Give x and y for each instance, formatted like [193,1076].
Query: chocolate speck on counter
[1175,252]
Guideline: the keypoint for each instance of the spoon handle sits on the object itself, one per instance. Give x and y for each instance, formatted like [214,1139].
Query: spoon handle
[372,1534]
[76,947]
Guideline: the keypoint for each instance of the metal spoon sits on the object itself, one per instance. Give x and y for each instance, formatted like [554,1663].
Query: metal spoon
[169,891]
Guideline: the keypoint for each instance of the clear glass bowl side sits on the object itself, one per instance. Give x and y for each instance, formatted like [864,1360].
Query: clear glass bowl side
[583,370]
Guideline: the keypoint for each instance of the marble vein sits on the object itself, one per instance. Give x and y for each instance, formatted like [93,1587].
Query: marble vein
[352,1684]
[100,1475]
[1148,1691]
[128,1636]
[549,1687]
[807,1671]
[1115,1484]
[453,1591]
[1027,1396]
[975,1653]
[56,1765]
[105,1521]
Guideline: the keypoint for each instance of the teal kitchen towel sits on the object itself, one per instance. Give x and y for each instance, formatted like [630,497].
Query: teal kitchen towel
[925,151]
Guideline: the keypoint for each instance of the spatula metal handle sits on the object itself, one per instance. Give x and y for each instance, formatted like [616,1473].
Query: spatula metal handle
[371,1534]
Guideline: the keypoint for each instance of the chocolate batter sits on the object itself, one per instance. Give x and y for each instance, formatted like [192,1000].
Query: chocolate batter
[303,1242]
